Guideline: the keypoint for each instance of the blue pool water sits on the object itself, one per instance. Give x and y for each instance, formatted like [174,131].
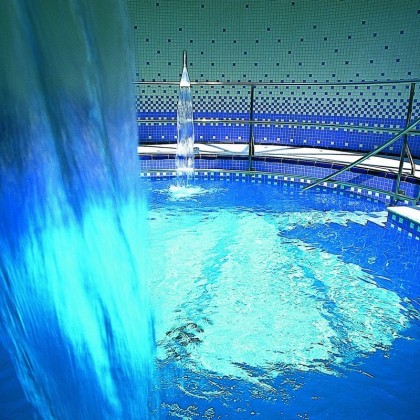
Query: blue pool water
[271,303]
[310,331]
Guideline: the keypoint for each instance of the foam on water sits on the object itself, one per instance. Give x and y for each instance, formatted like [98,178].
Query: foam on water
[179,192]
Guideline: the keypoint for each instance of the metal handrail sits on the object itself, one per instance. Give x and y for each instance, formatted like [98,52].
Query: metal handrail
[278,122]
[251,142]
[367,156]
[405,149]
[292,83]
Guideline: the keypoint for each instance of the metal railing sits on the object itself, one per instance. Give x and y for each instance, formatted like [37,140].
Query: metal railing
[398,132]
[368,155]
[292,83]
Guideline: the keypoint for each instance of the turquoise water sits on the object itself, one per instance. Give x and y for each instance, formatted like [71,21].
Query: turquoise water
[271,302]
[76,336]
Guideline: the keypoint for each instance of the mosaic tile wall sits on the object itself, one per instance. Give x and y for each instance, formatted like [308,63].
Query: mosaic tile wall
[358,177]
[279,41]
[404,225]
[362,182]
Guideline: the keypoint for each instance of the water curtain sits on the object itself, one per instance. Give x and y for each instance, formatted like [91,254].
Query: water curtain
[184,160]
[74,316]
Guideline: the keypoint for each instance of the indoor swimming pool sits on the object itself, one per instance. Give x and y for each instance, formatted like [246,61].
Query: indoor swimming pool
[274,303]
[128,295]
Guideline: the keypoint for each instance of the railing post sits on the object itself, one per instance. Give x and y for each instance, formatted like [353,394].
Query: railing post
[251,146]
[405,149]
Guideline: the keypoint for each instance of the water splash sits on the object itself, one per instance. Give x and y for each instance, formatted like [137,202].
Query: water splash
[186,193]
[184,160]
[74,313]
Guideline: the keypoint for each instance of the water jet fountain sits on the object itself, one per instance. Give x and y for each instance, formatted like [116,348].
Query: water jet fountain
[184,160]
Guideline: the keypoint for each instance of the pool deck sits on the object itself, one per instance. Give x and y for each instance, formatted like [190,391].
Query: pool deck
[382,163]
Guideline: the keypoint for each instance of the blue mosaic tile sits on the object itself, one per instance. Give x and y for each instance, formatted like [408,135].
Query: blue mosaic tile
[353,107]
[362,178]
[407,228]
[291,180]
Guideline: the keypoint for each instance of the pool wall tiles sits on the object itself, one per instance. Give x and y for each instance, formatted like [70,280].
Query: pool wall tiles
[344,106]
[406,227]
[275,40]
[359,177]
[290,181]
[279,41]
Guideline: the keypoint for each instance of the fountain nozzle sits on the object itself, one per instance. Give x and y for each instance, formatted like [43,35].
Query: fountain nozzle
[185,80]
[185,58]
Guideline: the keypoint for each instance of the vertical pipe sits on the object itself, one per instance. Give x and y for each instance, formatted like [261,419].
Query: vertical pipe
[251,129]
[407,123]
[184,59]
[405,147]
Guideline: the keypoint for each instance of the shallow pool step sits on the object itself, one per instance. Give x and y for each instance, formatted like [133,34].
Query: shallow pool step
[380,220]
[410,213]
